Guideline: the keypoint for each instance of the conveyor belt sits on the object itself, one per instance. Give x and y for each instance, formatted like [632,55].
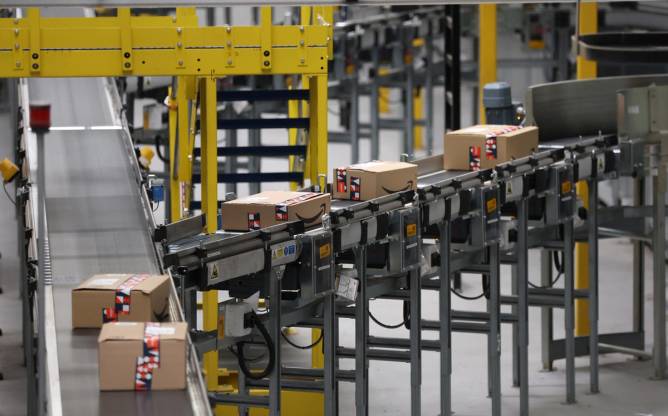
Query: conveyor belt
[95,224]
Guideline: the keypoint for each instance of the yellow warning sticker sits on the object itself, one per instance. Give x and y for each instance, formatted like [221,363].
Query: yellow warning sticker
[566,187]
[491,205]
[411,230]
[325,250]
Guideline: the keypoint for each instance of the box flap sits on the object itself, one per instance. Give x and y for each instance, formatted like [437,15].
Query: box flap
[491,129]
[103,282]
[149,285]
[273,198]
[134,331]
[381,166]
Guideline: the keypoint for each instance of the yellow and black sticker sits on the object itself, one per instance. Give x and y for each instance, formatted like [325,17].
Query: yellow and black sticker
[566,187]
[411,230]
[491,205]
[325,250]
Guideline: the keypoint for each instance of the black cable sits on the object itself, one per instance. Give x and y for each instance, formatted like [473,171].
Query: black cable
[399,325]
[162,157]
[303,347]
[248,359]
[270,346]
[4,186]
[559,265]
[459,295]
[157,205]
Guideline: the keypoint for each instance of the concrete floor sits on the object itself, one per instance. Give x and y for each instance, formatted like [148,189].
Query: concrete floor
[13,387]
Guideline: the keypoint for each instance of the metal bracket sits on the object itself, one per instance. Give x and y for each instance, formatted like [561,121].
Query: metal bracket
[265,38]
[35,50]
[126,39]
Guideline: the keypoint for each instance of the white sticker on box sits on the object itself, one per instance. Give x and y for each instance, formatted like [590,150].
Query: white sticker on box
[160,330]
[103,282]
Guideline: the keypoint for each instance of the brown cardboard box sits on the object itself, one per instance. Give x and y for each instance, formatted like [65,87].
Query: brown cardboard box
[122,344]
[365,181]
[104,298]
[485,146]
[274,207]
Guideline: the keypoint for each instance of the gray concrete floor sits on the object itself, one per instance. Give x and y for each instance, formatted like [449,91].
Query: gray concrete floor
[13,387]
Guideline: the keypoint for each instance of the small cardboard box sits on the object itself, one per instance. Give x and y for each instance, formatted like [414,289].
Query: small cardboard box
[485,146]
[120,297]
[274,207]
[365,181]
[142,356]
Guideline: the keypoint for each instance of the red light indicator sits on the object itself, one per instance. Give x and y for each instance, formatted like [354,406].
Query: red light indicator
[40,117]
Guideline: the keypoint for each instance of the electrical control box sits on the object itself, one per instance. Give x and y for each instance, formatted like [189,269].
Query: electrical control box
[560,201]
[485,226]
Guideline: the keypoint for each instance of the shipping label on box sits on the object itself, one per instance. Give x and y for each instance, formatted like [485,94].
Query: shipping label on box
[365,181]
[142,356]
[274,207]
[120,297]
[485,146]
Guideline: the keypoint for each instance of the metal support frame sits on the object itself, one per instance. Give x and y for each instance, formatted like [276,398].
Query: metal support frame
[486,51]
[659,264]
[569,310]
[452,68]
[522,283]
[445,317]
[361,336]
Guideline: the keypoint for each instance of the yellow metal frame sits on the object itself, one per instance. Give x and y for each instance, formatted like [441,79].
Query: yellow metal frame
[126,45]
[486,51]
[587,23]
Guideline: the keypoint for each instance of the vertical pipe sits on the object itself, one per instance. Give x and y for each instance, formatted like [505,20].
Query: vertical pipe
[546,311]
[361,337]
[409,110]
[415,341]
[375,96]
[592,219]
[41,283]
[429,90]
[445,318]
[587,22]
[569,316]
[486,51]
[275,276]
[495,328]
[523,303]
[329,340]
[515,325]
[353,73]
[659,269]
[639,266]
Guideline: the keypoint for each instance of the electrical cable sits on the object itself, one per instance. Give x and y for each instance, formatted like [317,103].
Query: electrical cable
[248,359]
[157,205]
[388,326]
[270,346]
[162,157]
[459,295]
[303,347]
[559,265]
[4,186]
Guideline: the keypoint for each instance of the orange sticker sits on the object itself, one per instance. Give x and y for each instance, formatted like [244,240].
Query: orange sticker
[491,205]
[325,250]
[411,230]
[566,187]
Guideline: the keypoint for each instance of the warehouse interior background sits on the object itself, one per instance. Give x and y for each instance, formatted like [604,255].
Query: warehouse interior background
[393,90]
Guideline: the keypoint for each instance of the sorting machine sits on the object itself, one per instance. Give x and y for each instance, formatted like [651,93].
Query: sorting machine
[393,247]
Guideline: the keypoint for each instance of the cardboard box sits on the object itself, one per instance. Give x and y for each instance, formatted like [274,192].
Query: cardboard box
[485,146]
[142,356]
[274,207]
[365,181]
[120,297]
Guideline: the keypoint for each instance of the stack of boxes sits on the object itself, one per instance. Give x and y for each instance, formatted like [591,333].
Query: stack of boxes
[139,349]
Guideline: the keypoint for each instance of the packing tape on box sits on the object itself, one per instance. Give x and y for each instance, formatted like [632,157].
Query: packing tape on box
[122,299]
[150,359]
[355,188]
[341,180]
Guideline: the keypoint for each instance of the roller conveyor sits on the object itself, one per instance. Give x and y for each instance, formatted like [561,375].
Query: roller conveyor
[96,224]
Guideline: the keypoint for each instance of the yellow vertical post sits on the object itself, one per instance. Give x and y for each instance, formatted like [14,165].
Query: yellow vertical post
[587,23]
[418,114]
[209,163]
[318,129]
[486,51]
[174,187]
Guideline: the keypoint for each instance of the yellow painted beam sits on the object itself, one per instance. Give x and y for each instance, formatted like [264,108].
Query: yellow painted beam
[150,45]
[586,69]
[318,130]
[418,114]
[486,51]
